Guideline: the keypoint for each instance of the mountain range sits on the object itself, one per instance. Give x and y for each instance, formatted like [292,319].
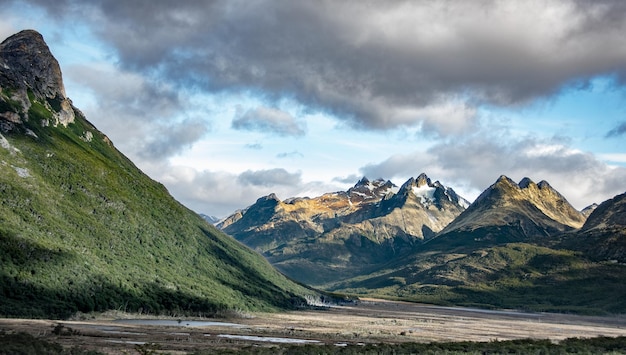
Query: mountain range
[83,229]
[347,233]
[518,245]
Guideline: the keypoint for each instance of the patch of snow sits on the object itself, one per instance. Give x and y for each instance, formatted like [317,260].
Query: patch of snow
[392,189]
[360,194]
[463,202]
[425,193]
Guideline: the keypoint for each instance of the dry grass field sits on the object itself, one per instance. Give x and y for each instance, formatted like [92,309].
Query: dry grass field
[370,321]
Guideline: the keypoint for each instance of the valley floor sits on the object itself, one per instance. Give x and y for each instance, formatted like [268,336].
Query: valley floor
[370,321]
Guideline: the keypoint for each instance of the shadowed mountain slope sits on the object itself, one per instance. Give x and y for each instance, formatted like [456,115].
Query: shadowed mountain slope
[603,237]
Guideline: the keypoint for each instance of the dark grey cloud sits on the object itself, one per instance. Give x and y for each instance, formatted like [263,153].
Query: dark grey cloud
[270,177]
[270,120]
[143,115]
[373,64]
[618,131]
[475,162]
[167,140]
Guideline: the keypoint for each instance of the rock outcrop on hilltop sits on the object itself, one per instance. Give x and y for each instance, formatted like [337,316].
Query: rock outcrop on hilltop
[27,67]
[341,234]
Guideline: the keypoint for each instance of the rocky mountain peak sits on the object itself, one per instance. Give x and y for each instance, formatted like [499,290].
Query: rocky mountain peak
[364,181]
[367,191]
[526,182]
[26,59]
[506,181]
[496,190]
[27,65]
[430,193]
[589,209]
[270,197]
[537,208]
[422,180]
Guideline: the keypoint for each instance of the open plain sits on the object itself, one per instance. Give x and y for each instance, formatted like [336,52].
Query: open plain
[369,321]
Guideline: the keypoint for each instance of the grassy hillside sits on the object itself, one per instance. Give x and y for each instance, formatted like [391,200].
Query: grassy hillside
[515,276]
[82,229]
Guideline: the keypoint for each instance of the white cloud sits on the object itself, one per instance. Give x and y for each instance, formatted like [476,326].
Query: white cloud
[220,193]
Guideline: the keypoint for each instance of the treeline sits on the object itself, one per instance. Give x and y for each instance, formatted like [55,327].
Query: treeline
[22,343]
[599,345]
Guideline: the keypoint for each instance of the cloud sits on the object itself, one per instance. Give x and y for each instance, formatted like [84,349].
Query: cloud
[220,193]
[146,119]
[350,179]
[375,65]
[618,131]
[268,178]
[167,140]
[269,120]
[474,163]
[6,29]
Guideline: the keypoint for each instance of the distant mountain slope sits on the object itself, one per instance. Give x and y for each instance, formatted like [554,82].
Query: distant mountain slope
[344,234]
[516,246]
[603,237]
[82,229]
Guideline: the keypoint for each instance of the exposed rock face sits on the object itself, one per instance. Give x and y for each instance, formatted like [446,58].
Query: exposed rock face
[26,65]
[510,212]
[342,233]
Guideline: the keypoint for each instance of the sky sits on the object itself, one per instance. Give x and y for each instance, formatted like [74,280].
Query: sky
[225,101]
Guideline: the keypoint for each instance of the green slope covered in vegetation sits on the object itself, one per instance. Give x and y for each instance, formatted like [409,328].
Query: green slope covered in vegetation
[82,229]
[508,276]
